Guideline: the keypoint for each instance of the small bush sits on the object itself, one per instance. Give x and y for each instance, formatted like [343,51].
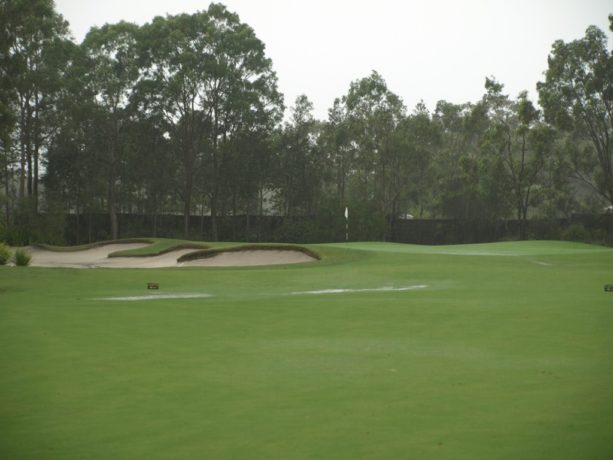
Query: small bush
[22,258]
[5,254]
[550,230]
[576,232]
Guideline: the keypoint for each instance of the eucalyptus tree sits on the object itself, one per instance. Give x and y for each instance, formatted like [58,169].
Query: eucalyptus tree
[213,82]
[248,172]
[173,51]
[111,50]
[7,117]
[521,144]
[455,186]
[300,162]
[72,166]
[577,97]
[240,97]
[470,186]
[150,166]
[34,35]
[418,141]
[336,143]
[373,113]
[562,195]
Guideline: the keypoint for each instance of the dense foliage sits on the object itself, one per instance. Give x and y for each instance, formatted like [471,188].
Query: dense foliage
[22,257]
[183,116]
[5,254]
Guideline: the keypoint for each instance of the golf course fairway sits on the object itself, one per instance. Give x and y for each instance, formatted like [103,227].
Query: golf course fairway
[376,351]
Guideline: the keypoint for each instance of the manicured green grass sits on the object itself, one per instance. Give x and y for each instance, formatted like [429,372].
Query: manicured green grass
[506,354]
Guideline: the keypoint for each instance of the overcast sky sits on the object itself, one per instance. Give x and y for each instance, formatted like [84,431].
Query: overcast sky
[427,49]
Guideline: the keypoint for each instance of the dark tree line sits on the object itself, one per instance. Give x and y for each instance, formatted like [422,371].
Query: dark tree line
[183,116]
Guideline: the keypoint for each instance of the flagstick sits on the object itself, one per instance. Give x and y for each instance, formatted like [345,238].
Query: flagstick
[346,224]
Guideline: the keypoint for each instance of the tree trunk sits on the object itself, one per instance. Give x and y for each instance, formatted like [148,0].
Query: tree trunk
[114,221]
[77,233]
[214,233]
[28,148]
[186,211]
[29,169]
[7,206]
[155,216]
[35,182]
[202,237]
[111,205]
[260,211]
[188,173]
[248,219]
[521,216]
[22,169]
[35,157]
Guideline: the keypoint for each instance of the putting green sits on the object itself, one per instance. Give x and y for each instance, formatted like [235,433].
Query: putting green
[376,351]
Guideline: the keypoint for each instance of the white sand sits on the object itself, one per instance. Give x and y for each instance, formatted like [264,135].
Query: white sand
[99,257]
[94,257]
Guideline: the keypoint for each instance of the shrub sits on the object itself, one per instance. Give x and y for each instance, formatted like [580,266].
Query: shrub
[22,258]
[576,232]
[5,254]
[296,230]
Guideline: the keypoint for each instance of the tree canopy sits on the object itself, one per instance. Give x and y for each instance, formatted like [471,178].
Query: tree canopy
[577,97]
[182,116]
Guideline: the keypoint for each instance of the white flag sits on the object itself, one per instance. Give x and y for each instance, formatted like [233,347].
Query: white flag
[346,212]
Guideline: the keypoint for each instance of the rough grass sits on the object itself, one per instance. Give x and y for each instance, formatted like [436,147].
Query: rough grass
[501,357]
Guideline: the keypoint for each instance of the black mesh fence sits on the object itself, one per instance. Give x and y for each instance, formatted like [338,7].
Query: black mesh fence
[309,229]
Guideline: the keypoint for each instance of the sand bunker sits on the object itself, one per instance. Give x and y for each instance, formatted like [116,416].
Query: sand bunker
[250,258]
[98,257]
[87,258]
